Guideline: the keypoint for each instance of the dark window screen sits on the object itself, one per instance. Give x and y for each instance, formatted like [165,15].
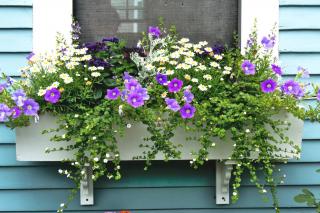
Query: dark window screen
[210,20]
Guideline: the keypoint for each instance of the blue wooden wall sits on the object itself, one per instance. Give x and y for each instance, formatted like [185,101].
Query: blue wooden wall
[166,188]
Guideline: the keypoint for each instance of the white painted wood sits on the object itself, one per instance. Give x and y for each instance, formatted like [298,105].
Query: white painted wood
[31,144]
[49,18]
[266,12]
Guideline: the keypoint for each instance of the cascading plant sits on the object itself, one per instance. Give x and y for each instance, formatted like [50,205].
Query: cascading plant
[166,83]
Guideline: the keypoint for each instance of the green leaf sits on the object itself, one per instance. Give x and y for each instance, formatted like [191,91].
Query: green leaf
[301,198]
[98,94]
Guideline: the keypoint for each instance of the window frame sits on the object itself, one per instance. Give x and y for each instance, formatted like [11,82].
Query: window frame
[52,16]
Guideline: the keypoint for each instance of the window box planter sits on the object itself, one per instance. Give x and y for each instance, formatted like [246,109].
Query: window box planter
[31,145]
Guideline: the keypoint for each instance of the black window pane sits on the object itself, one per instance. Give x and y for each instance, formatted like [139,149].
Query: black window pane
[210,20]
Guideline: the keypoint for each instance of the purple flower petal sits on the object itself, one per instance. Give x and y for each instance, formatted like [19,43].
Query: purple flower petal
[268,43]
[248,68]
[268,86]
[172,104]
[276,69]
[290,87]
[188,96]
[175,85]
[135,100]
[113,94]
[30,107]
[52,95]
[5,112]
[155,31]
[16,112]
[187,111]
[161,79]
[19,96]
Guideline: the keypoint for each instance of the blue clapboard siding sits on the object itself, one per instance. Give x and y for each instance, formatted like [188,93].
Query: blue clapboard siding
[167,187]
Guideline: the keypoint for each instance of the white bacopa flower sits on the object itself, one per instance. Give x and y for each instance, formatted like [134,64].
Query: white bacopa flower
[202,87]
[128,126]
[66,78]
[169,72]
[63,136]
[202,67]
[149,67]
[173,62]
[94,138]
[60,171]
[214,64]
[95,74]
[41,92]
[62,205]
[175,54]
[164,94]
[194,80]
[118,167]
[105,160]
[264,191]
[213,144]
[183,40]
[203,43]
[76,115]
[83,172]
[93,68]
[218,57]
[120,111]
[96,159]
[247,130]
[207,77]
[234,193]
[188,45]
[208,49]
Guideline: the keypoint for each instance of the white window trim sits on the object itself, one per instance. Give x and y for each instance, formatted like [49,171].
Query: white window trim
[52,16]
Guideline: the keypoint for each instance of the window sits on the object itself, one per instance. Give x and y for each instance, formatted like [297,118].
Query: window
[210,20]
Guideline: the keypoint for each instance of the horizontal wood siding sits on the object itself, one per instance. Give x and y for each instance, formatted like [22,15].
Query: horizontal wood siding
[167,187]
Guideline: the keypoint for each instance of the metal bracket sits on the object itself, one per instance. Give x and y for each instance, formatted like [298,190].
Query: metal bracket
[223,175]
[86,188]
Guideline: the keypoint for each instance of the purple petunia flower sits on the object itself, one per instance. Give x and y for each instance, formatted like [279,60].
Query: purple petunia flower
[188,96]
[16,112]
[29,56]
[290,87]
[135,100]
[5,112]
[318,95]
[276,69]
[123,95]
[10,80]
[19,96]
[155,31]
[303,72]
[172,104]
[127,77]
[3,86]
[132,84]
[161,79]
[187,111]
[30,107]
[52,95]
[248,68]
[268,43]
[143,92]
[112,94]
[268,85]
[175,85]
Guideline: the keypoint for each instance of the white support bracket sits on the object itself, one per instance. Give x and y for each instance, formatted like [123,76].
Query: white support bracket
[86,188]
[223,175]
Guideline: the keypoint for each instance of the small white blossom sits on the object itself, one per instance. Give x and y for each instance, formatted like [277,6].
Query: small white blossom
[95,74]
[247,130]
[96,159]
[60,171]
[94,138]
[194,80]
[202,87]
[128,126]
[105,160]
[76,115]
[207,77]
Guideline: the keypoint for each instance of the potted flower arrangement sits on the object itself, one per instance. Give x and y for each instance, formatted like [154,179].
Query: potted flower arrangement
[96,91]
